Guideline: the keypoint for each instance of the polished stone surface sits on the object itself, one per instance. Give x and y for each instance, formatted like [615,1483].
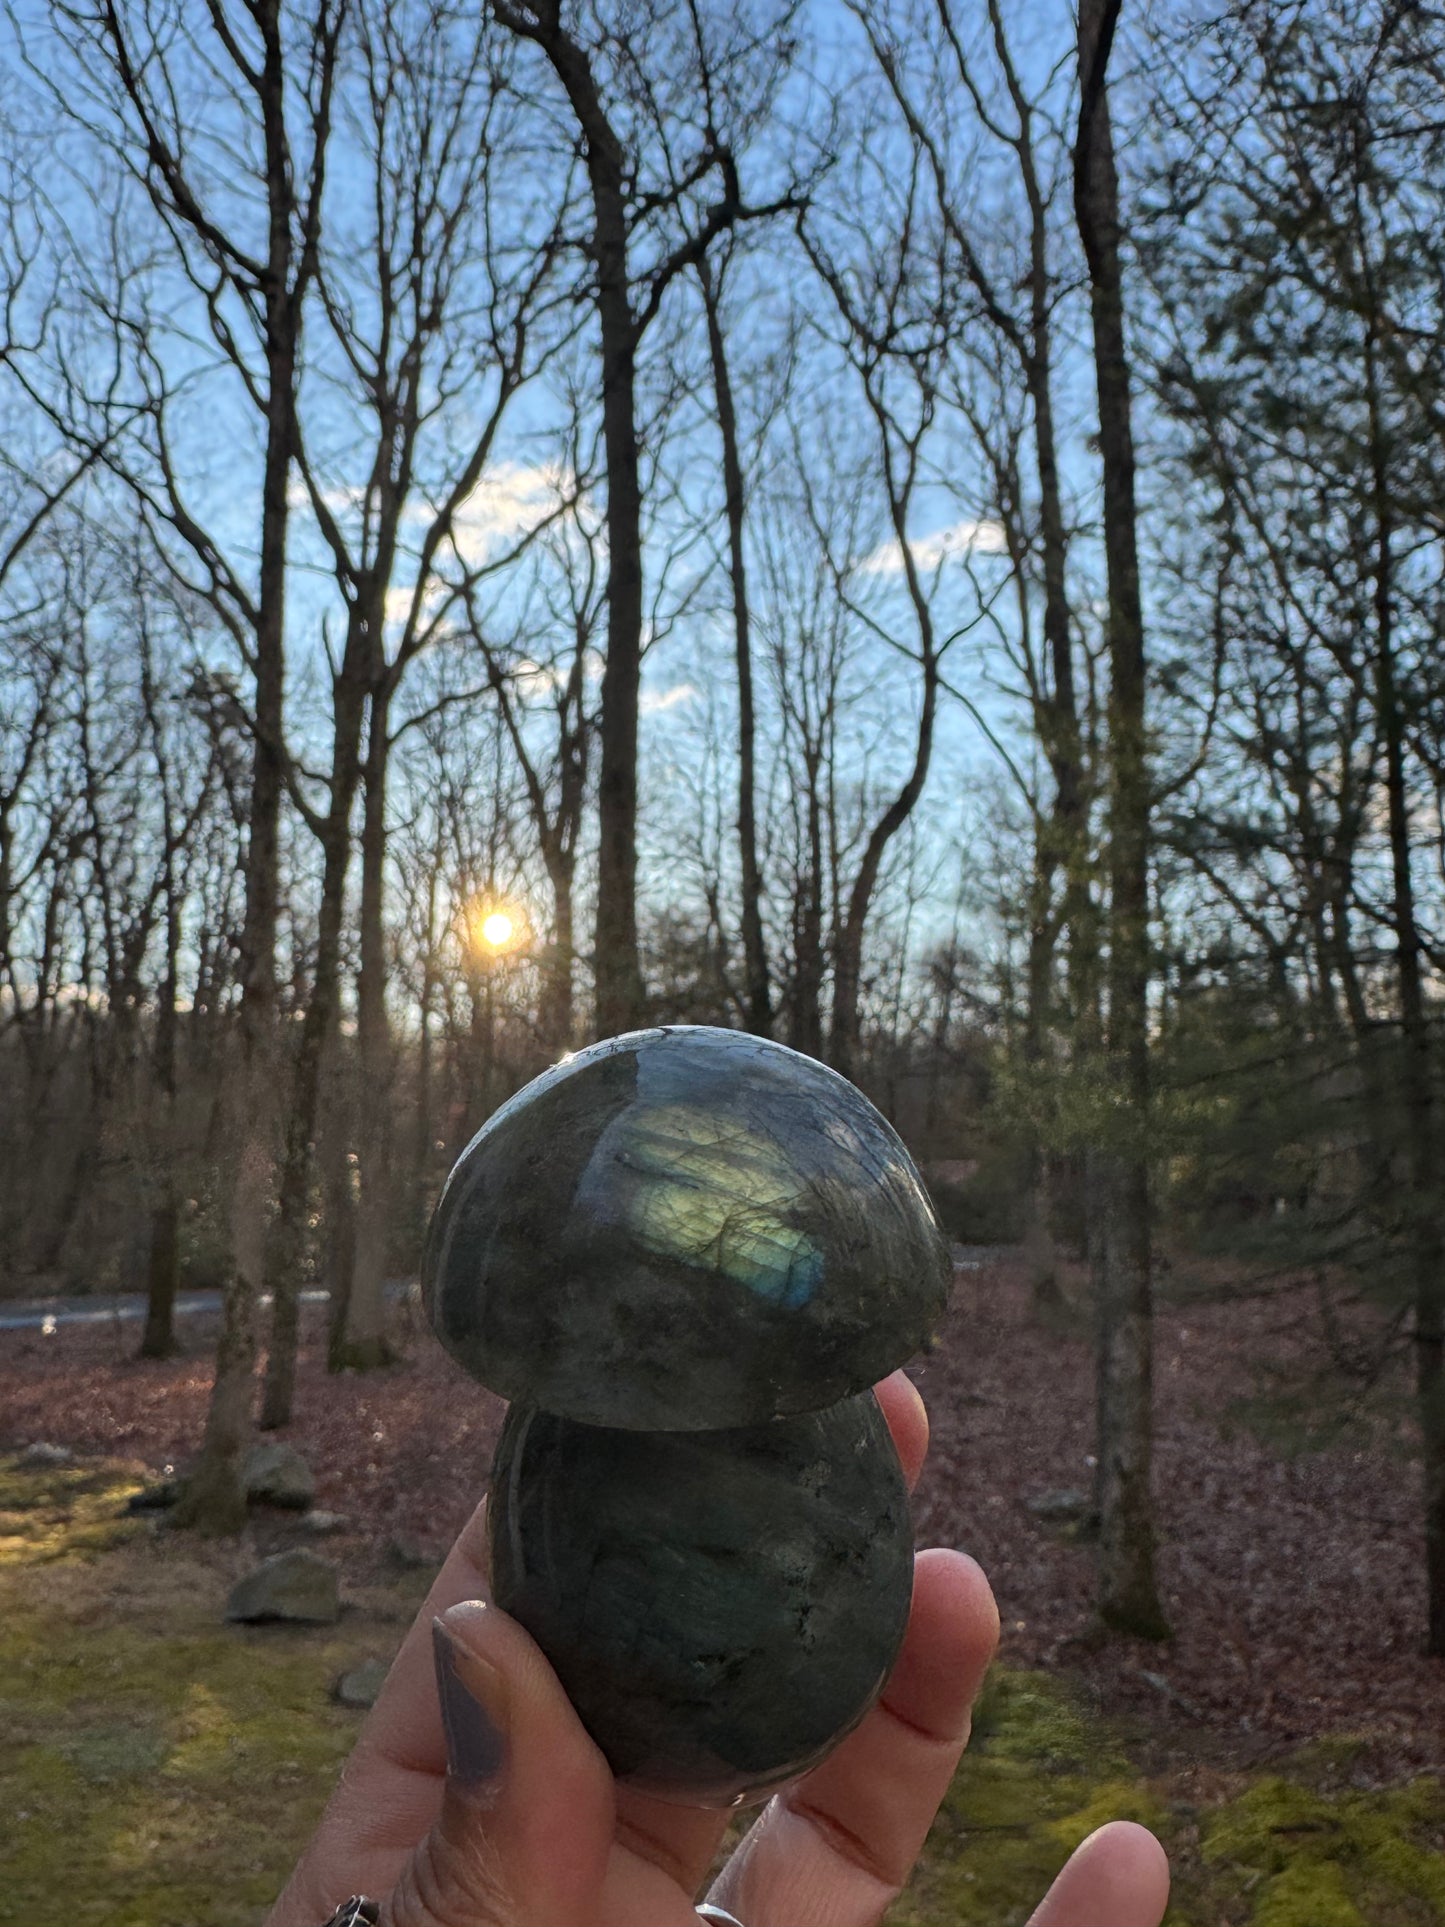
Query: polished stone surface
[684,1228]
[722,1607]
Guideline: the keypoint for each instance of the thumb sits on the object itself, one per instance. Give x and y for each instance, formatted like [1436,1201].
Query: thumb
[527,1816]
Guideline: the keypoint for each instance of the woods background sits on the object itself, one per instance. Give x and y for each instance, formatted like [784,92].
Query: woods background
[914,529]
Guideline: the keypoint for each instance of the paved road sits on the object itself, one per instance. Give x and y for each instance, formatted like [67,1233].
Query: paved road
[48,1314]
[975,1257]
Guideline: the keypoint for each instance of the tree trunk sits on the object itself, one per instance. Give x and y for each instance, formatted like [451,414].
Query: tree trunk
[620,1001]
[805,995]
[215,1497]
[1066,836]
[845,1036]
[158,1340]
[286,1249]
[1058,716]
[365,1345]
[1427,1247]
[1128,1594]
[555,1009]
[424,1136]
[758,992]
[1040,1255]
[480,1081]
[338,1220]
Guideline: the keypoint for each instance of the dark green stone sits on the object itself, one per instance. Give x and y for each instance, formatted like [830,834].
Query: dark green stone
[722,1607]
[684,1229]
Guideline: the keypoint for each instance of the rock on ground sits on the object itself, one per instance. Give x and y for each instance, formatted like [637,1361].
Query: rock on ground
[1061,1504]
[299,1586]
[411,1555]
[278,1475]
[322,1524]
[1067,1511]
[361,1685]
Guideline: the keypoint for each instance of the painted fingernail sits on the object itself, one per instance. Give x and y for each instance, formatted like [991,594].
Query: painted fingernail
[476,1744]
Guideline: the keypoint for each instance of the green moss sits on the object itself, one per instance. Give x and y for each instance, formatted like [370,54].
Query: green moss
[1041,1773]
[159,1769]
[1044,1770]
[52,1512]
[187,1808]
[1307,1894]
[1039,1721]
[1347,1859]
[1113,1800]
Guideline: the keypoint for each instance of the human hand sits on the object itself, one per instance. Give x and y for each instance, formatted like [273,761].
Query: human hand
[527,1828]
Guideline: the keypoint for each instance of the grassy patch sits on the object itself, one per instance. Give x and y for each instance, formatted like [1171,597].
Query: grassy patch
[49,1512]
[1041,1773]
[160,1769]
[1344,1859]
[1294,1849]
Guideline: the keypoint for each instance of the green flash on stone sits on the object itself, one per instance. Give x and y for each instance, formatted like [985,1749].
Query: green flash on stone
[713,1198]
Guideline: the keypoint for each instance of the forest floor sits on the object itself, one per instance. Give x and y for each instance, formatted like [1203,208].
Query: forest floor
[1287,1741]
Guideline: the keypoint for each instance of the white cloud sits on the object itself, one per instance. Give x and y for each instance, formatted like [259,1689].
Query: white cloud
[398,603]
[655,702]
[340,500]
[968,537]
[509,500]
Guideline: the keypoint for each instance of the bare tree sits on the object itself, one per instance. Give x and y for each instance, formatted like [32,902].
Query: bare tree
[248,266]
[546,668]
[893,300]
[758,993]
[648,97]
[1128,1591]
[456,290]
[185,777]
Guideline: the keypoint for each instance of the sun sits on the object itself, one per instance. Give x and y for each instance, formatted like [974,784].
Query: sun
[493,929]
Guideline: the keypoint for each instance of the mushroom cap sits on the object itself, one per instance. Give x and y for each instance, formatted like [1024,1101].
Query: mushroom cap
[684,1229]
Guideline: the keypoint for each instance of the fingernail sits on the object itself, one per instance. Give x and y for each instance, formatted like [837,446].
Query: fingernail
[476,1744]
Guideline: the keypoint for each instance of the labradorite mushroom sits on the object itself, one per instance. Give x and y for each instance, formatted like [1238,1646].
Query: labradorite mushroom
[684,1229]
[722,1607]
[685,1255]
